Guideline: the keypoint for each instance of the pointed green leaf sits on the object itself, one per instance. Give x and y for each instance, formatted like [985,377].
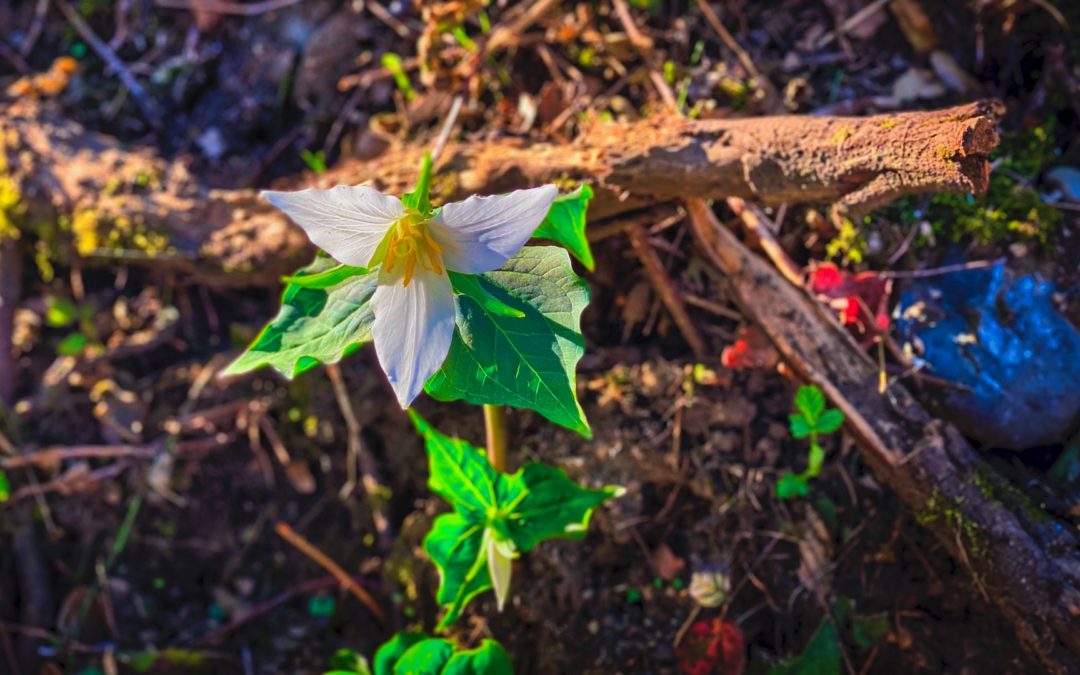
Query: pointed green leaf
[326,279]
[391,651]
[565,224]
[791,485]
[487,659]
[550,505]
[455,546]
[419,198]
[427,657]
[822,655]
[830,421]
[526,362]
[468,284]
[800,428]
[314,325]
[458,472]
[810,402]
[494,513]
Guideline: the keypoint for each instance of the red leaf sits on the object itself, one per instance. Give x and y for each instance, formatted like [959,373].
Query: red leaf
[712,646]
[751,349]
[861,300]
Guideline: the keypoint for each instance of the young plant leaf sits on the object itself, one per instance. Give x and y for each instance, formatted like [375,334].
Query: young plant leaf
[427,657]
[314,325]
[810,402]
[455,546]
[565,224]
[419,198]
[830,421]
[526,362]
[391,651]
[494,514]
[791,485]
[488,659]
[800,428]
[417,654]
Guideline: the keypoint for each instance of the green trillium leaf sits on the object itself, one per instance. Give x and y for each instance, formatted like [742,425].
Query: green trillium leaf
[488,659]
[468,284]
[526,362]
[417,654]
[427,657]
[392,650]
[315,325]
[455,546]
[536,503]
[565,224]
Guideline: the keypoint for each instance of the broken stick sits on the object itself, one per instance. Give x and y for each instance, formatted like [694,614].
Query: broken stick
[139,207]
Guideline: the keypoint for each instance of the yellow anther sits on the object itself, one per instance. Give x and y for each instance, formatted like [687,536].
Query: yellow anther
[410,243]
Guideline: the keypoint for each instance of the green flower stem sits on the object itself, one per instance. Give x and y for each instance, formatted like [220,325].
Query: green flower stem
[495,428]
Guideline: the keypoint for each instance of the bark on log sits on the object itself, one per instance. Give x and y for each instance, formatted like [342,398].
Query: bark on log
[1023,560]
[121,201]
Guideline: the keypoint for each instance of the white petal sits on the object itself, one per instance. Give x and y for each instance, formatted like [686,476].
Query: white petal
[481,233]
[413,328]
[346,222]
[500,565]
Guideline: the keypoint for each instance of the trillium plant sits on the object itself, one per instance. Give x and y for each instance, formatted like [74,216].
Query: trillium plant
[460,307]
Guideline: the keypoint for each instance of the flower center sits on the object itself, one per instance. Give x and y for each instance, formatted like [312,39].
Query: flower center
[409,243]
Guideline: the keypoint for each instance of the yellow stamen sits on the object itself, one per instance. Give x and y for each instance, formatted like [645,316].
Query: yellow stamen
[410,242]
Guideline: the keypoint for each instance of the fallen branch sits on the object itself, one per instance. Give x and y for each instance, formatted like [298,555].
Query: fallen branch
[1027,562]
[140,208]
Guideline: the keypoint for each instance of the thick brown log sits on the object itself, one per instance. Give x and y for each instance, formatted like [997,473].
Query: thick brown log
[131,203]
[1021,559]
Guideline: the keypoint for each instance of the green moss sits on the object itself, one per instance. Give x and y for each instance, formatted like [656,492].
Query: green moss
[941,509]
[849,244]
[95,234]
[12,208]
[1007,495]
[1010,211]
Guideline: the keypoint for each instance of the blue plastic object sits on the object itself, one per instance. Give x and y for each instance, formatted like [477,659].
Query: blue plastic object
[1001,337]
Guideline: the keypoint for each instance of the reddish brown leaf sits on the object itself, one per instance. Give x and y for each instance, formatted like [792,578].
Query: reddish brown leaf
[751,349]
[712,646]
[861,300]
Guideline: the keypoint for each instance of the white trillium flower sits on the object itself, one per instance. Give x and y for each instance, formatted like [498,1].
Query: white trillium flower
[414,304]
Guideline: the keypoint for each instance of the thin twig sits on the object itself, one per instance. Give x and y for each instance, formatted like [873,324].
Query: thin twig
[113,61]
[13,57]
[359,457]
[668,293]
[447,128]
[757,222]
[10,291]
[34,32]
[54,455]
[938,271]
[772,100]
[324,561]
[267,606]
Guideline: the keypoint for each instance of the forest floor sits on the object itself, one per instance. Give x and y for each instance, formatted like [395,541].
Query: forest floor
[151,561]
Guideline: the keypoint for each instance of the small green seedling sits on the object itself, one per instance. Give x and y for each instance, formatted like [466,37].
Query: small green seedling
[811,420]
[496,516]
